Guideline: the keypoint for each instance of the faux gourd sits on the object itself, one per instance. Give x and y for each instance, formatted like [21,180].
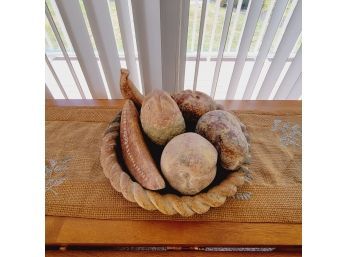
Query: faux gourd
[135,152]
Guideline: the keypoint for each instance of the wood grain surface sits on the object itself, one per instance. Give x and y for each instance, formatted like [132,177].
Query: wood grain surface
[67,231]
[81,231]
[167,254]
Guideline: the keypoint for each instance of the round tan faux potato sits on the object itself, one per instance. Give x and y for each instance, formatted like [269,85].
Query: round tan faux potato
[168,204]
[188,162]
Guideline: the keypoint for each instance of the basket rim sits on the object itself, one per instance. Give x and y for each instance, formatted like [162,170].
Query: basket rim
[168,204]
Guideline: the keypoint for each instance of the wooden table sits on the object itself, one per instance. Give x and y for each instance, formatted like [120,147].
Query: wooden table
[80,236]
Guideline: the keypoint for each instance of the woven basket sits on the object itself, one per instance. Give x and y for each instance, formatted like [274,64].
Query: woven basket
[167,203]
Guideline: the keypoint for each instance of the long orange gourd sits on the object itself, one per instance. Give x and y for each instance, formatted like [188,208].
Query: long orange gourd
[135,152]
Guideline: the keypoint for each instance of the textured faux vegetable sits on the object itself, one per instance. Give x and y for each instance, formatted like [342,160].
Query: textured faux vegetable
[189,163]
[161,118]
[225,132]
[135,152]
[193,105]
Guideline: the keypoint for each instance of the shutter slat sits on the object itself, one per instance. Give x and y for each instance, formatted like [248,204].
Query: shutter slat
[55,77]
[49,42]
[76,28]
[172,38]
[243,26]
[290,77]
[266,44]
[213,30]
[194,25]
[223,39]
[287,15]
[264,25]
[100,21]
[124,20]
[285,47]
[48,94]
[200,39]
[296,91]
[254,12]
[234,24]
[60,24]
[184,22]
[63,49]
[146,15]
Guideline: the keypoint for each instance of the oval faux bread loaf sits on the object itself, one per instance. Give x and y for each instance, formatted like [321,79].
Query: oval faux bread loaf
[135,152]
[129,90]
[161,118]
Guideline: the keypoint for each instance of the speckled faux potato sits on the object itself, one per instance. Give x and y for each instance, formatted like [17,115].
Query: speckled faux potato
[193,105]
[224,131]
[135,152]
[189,163]
[161,118]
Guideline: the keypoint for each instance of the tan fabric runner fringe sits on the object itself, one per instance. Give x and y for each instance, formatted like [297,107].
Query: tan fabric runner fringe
[77,187]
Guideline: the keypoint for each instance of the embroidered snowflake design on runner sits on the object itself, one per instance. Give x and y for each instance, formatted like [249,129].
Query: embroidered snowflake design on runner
[55,173]
[290,133]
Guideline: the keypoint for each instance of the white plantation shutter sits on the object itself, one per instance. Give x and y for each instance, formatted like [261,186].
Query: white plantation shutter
[296,89]
[222,44]
[173,42]
[183,26]
[234,24]
[75,25]
[250,25]
[124,19]
[266,44]
[64,51]
[291,76]
[200,37]
[285,47]
[146,16]
[156,47]
[100,22]
[54,74]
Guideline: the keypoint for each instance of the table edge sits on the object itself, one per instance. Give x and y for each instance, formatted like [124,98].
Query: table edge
[83,231]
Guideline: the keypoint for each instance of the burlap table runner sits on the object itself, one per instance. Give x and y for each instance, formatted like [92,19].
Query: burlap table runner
[77,187]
